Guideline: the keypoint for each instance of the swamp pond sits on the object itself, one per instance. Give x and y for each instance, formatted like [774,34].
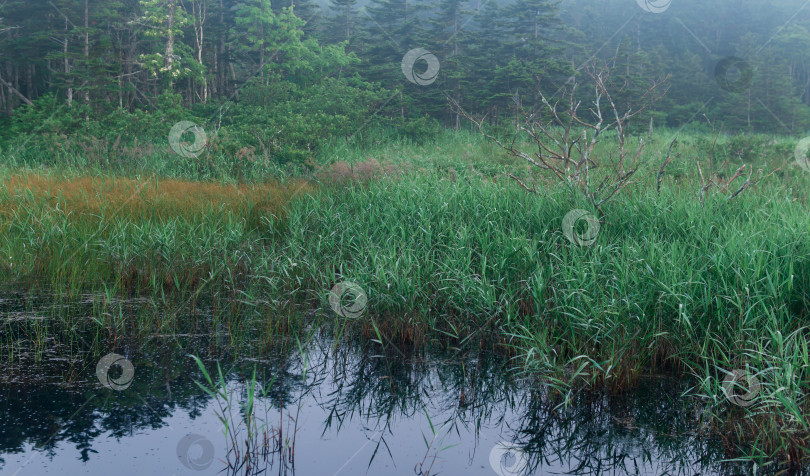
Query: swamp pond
[319,407]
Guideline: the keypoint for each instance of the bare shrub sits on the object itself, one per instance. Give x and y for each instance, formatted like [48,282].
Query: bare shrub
[564,136]
[716,179]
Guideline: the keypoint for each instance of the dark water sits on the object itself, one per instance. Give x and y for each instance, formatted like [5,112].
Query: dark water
[329,409]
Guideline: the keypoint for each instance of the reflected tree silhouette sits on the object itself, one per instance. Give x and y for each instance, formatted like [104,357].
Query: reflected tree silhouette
[650,431]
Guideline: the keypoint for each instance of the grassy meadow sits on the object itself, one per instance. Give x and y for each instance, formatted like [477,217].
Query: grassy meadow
[450,251]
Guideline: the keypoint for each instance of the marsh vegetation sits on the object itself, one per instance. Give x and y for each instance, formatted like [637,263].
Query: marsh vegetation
[585,262]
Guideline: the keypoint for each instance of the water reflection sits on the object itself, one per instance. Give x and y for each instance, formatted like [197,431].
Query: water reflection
[331,408]
[356,409]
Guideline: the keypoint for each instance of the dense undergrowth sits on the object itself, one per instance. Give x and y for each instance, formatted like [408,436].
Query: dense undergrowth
[452,251]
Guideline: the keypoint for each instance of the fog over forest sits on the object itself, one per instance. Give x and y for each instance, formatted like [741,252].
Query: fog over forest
[742,63]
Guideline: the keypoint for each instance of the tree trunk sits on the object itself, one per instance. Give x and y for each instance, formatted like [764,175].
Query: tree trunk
[14,90]
[169,60]
[220,66]
[67,67]
[87,48]
[348,16]
[200,11]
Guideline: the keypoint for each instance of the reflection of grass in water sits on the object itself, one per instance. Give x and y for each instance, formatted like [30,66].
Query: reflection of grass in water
[375,387]
[250,452]
[586,432]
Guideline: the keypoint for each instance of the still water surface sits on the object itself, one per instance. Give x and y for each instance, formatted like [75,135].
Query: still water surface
[347,409]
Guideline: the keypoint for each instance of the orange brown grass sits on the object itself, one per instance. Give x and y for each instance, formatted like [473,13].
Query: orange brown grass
[148,199]
[364,171]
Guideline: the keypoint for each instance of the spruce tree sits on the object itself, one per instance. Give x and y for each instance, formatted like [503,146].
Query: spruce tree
[343,22]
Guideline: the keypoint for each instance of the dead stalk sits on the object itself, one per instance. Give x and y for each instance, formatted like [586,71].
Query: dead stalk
[565,137]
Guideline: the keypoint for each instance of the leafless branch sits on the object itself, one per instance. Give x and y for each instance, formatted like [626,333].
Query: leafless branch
[565,134]
[669,158]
